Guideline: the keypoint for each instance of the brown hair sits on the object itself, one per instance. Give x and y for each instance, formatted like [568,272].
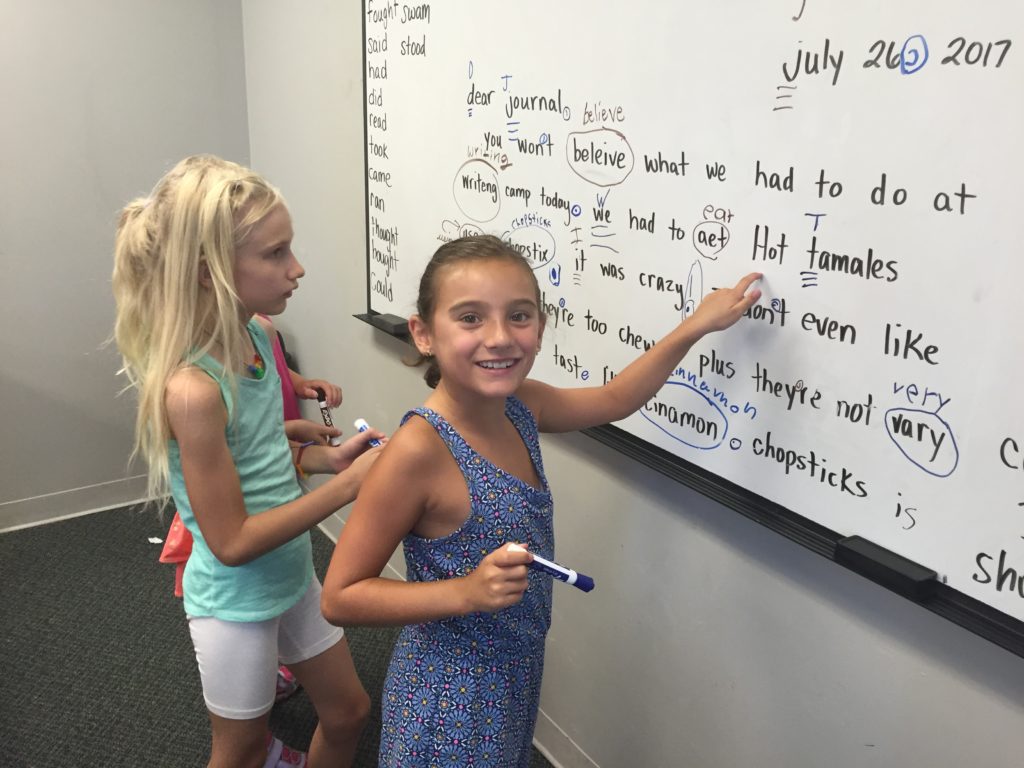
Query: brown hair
[464,249]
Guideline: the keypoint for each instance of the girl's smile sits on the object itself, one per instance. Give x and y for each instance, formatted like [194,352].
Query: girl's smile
[485,332]
[497,364]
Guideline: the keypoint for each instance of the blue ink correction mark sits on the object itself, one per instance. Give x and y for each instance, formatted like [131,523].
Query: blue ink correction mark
[913,55]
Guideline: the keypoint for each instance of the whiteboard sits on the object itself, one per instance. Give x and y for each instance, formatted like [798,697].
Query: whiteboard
[865,157]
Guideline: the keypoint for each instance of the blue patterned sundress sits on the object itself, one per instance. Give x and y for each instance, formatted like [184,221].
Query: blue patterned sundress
[464,691]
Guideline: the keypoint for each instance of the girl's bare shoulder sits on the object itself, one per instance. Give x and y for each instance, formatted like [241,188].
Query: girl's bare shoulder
[416,446]
[191,394]
[264,323]
[533,393]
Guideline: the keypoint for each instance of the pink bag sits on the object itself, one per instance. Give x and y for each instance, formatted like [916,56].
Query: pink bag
[177,548]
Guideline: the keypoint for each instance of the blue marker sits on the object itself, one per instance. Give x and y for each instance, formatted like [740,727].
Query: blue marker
[362,426]
[560,572]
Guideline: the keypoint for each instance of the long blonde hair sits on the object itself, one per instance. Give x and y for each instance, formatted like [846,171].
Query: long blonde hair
[188,227]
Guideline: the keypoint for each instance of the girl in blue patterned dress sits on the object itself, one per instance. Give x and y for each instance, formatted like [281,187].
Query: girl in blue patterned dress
[460,480]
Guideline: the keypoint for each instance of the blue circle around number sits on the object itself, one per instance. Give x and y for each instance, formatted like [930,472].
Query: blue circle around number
[913,54]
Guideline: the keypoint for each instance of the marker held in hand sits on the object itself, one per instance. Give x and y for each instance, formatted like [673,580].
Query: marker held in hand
[362,426]
[325,414]
[560,572]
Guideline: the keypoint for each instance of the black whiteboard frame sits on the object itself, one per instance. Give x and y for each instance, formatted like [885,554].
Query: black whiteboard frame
[971,614]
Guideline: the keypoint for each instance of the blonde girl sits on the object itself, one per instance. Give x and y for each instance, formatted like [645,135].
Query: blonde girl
[193,262]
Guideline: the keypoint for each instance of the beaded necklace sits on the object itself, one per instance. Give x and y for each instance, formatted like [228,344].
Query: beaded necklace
[257,368]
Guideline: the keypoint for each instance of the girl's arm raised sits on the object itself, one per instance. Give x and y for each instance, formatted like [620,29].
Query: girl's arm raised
[389,507]
[565,410]
[197,419]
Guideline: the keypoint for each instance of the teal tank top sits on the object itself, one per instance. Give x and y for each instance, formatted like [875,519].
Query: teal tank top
[271,584]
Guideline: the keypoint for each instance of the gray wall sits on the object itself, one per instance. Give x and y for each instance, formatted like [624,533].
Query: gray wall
[708,642]
[98,99]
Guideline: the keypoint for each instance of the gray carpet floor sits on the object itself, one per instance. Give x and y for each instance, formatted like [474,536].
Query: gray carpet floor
[98,668]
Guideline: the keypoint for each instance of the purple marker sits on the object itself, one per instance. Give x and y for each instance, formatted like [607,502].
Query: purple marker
[560,572]
[325,413]
[362,426]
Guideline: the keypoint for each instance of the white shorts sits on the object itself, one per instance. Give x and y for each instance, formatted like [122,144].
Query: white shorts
[238,660]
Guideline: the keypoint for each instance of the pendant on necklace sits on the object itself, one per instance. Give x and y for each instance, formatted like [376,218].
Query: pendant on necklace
[257,367]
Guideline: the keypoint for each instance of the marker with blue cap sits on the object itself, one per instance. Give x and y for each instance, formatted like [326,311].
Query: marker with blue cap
[560,572]
[362,426]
